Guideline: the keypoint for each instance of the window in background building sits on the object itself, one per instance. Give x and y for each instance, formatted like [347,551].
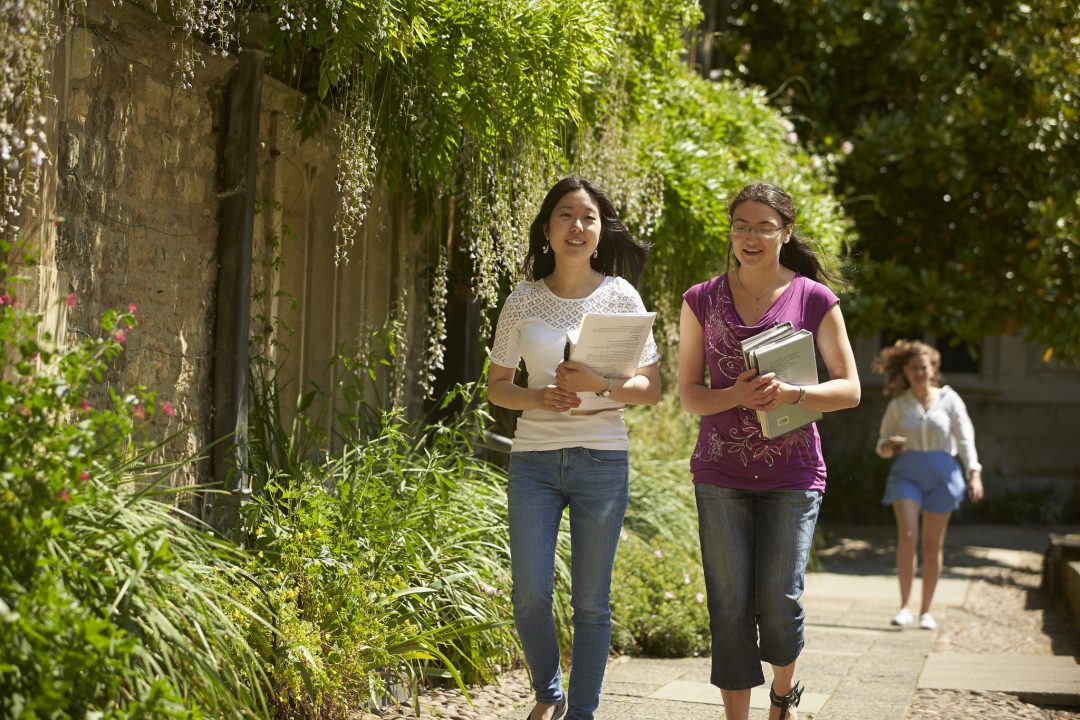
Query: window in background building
[955,358]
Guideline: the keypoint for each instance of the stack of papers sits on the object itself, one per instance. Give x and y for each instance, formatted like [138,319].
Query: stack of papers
[611,345]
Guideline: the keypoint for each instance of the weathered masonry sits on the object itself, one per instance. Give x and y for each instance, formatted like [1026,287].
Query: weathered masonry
[201,206]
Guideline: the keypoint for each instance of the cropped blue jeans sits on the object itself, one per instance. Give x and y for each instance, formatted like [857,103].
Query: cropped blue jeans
[594,484]
[754,548]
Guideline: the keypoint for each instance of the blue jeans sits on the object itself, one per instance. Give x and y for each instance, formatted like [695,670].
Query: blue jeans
[595,486]
[754,548]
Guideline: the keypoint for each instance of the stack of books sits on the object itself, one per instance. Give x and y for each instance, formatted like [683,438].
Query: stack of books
[790,354]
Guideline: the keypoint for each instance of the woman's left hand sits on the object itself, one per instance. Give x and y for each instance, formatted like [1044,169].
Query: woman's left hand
[578,377]
[975,486]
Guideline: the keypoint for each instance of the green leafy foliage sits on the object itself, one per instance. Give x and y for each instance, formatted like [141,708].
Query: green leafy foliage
[386,562]
[452,80]
[658,591]
[658,600]
[110,599]
[963,156]
[716,138]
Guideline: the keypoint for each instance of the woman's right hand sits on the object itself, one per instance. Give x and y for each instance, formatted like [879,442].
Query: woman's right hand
[895,444]
[555,399]
[755,392]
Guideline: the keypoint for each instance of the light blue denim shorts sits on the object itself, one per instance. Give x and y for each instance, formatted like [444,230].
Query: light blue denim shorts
[932,479]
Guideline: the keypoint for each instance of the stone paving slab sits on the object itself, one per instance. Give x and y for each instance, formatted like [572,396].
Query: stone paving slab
[1057,675]
[860,588]
[699,692]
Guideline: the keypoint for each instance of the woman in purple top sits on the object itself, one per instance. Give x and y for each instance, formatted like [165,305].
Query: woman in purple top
[757,498]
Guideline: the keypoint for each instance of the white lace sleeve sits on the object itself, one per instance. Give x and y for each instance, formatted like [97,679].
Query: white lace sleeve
[506,348]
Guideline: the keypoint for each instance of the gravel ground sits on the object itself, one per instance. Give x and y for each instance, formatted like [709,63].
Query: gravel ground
[1005,612]
[510,698]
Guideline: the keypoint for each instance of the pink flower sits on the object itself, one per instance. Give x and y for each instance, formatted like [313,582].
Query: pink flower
[168,409]
[132,308]
[139,412]
[84,476]
[85,406]
[63,495]
[700,597]
[25,410]
[72,300]
[659,553]
[4,299]
[120,336]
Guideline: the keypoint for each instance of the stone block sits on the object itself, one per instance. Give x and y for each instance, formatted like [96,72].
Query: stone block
[1071,576]
[1062,550]
[78,106]
[82,53]
[158,100]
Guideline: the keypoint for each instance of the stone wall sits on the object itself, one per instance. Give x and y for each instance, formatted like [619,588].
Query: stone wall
[129,215]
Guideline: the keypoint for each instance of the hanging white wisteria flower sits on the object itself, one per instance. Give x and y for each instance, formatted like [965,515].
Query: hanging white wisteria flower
[399,371]
[357,164]
[435,352]
[28,29]
[213,21]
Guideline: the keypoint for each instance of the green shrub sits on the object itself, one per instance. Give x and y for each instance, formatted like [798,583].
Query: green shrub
[387,562]
[111,601]
[658,600]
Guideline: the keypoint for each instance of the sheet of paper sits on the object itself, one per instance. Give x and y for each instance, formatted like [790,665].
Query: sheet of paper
[611,344]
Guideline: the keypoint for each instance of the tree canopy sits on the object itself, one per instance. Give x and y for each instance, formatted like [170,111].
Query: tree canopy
[957,130]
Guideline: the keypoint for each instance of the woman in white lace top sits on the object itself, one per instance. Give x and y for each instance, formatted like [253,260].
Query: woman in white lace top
[565,454]
[924,427]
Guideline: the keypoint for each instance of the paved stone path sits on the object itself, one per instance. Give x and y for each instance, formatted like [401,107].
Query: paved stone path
[999,653]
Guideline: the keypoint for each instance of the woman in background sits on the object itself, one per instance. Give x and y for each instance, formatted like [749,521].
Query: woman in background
[924,427]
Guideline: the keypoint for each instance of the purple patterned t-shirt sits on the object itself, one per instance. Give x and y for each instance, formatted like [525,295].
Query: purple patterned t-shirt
[731,451]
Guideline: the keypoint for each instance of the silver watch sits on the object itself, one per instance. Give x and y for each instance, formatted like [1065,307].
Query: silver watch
[606,392]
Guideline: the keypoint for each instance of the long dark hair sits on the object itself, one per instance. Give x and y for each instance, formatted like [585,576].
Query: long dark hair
[796,254]
[618,253]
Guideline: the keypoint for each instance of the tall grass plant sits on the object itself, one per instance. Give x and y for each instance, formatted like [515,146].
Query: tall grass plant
[113,604]
[387,561]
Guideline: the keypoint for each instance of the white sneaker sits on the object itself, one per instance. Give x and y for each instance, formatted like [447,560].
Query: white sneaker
[927,622]
[902,618]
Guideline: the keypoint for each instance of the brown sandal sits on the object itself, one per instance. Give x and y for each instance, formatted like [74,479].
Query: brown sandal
[785,702]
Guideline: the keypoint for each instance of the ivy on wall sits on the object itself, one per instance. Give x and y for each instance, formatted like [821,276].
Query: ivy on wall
[473,108]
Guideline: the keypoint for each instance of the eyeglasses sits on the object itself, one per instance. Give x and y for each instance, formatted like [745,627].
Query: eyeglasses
[763,231]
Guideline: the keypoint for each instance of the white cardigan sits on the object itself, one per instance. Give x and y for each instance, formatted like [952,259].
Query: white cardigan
[945,426]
